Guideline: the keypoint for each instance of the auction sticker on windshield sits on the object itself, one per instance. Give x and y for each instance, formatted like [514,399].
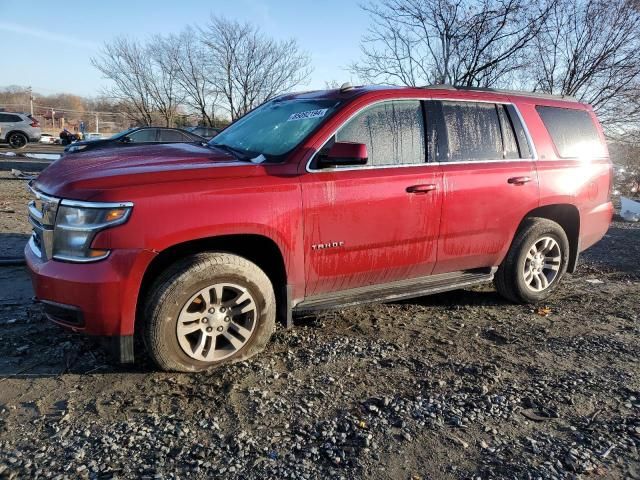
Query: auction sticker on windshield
[308,114]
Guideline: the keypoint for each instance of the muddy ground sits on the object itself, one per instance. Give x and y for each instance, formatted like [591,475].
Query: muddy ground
[458,385]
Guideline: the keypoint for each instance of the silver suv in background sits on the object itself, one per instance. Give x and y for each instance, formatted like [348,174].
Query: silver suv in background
[18,129]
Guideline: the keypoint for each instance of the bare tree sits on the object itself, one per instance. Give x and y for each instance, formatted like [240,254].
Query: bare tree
[249,68]
[143,77]
[589,49]
[459,42]
[187,56]
[126,64]
[162,80]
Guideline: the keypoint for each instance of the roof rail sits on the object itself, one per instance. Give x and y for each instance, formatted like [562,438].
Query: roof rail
[440,86]
[547,96]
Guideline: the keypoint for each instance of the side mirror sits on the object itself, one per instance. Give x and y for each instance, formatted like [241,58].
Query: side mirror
[343,154]
[125,140]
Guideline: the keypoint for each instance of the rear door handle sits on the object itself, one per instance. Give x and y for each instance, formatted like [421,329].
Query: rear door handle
[519,180]
[418,189]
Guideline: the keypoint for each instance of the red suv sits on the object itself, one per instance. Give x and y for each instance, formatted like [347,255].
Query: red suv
[312,201]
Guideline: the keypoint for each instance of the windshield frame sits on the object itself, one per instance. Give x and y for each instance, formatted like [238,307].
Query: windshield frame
[280,158]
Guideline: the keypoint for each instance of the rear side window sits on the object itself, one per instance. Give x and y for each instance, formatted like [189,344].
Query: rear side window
[509,143]
[6,117]
[173,136]
[393,132]
[572,131]
[473,131]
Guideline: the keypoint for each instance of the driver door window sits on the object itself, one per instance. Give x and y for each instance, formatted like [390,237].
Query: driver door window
[393,132]
[143,136]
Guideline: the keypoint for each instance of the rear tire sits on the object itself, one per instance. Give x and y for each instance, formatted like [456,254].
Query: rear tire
[207,310]
[535,263]
[17,140]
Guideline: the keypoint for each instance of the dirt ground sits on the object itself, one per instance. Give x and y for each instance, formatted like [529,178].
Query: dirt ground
[459,385]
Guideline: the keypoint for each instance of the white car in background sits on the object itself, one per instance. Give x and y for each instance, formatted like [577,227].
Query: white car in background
[47,138]
[93,136]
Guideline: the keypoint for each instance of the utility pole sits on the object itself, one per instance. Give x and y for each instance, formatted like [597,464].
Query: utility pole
[31,99]
[97,123]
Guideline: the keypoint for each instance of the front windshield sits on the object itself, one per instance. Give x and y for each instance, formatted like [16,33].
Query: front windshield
[276,127]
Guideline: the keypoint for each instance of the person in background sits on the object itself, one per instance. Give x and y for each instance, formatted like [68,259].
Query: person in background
[66,137]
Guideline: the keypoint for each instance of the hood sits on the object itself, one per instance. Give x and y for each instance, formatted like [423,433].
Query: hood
[79,175]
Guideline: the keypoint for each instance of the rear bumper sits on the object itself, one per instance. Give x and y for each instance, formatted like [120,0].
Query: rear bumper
[94,298]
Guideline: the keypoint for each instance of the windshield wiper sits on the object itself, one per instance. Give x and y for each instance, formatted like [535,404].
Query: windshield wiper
[231,150]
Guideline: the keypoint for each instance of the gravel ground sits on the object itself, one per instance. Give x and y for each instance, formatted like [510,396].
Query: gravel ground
[459,385]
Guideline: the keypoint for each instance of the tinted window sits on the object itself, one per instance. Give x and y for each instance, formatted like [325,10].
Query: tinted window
[509,142]
[392,131]
[6,117]
[572,131]
[146,135]
[473,131]
[173,136]
[523,143]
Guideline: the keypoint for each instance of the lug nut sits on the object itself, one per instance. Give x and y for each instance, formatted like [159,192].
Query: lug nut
[220,329]
[222,309]
[209,329]
[211,310]
[205,320]
[227,319]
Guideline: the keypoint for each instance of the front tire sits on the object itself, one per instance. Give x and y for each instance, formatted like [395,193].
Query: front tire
[207,310]
[17,140]
[535,263]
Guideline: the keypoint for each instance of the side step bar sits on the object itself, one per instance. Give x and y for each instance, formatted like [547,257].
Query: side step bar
[415,287]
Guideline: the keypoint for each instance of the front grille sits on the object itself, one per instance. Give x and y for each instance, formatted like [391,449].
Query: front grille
[42,216]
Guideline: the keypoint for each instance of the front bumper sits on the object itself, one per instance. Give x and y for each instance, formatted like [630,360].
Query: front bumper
[94,298]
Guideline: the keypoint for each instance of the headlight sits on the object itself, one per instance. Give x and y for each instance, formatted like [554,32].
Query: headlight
[77,224]
[76,148]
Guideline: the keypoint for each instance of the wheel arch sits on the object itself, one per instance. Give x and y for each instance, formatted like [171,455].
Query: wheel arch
[259,249]
[568,217]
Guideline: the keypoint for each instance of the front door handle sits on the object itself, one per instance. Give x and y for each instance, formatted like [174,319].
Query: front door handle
[519,180]
[419,189]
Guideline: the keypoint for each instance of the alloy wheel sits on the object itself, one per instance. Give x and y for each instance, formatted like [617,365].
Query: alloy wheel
[216,322]
[17,141]
[542,264]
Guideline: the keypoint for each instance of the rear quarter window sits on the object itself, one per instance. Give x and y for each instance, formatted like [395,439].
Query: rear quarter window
[572,131]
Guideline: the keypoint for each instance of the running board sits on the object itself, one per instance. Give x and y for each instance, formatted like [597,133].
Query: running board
[388,292]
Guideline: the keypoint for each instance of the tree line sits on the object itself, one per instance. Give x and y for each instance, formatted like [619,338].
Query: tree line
[587,49]
[581,48]
[224,68]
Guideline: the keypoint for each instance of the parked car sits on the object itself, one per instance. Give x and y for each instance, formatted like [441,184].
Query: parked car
[206,132]
[93,136]
[317,201]
[18,129]
[136,136]
[48,138]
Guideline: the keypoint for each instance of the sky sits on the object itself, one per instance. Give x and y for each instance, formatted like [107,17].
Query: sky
[51,43]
